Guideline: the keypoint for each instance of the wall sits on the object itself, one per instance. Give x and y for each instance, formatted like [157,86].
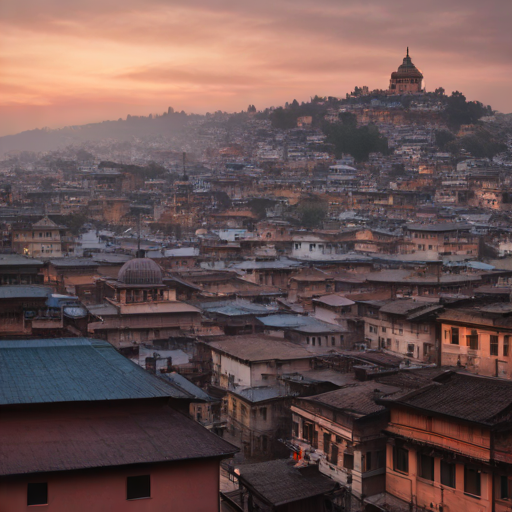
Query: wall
[185,486]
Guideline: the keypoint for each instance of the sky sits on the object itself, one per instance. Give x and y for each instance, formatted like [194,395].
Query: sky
[69,62]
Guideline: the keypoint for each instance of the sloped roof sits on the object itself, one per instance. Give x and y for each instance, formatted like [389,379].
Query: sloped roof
[72,370]
[112,438]
[467,397]
[279,482]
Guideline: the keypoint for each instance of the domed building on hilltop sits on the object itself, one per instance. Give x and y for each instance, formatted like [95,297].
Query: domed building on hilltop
[140,307]
[407,79]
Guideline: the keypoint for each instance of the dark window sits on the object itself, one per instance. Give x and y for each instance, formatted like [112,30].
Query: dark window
[426,467]
[334,455]
[473,340]
[263,413]
[327,444]
[401,459]
[448,474]
[333,341]
[307,432]
[494,345]
[504,492]
[348,461]
[471,481]
[37,494]
[455,335]
[368,461]
[264,443]
[381,459]
[138,487]
[506,345]
[295,429]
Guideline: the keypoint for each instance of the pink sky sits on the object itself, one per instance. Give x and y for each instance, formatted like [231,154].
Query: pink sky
[65,62]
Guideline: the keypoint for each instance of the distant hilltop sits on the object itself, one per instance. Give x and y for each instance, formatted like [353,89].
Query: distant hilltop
[46,139]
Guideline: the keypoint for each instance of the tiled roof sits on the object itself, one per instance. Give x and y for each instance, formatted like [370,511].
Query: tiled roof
[279,482]
[468,397]
[112,437]
[355,399]
[72,370]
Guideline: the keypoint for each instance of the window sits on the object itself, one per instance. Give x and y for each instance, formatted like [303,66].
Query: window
[307,340]
[348,461]
[426,467]
[401,459]
[455,336]
[383,329]
[138,487]
[506,345]
[381,459]
[327,444]
[505,488]
[471,481]
[37,494]
[334,455]
[263,413]
[448,474]
[368,461]
[494,345]
[333,341]
[473,340]
[295,429]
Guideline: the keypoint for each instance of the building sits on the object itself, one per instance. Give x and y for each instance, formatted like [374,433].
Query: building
[278,486]
[407,79]
[81,424]
[254,360]
[403,326]
[341,431]
[139,308]
[39,239]
[478,338]
[449,447]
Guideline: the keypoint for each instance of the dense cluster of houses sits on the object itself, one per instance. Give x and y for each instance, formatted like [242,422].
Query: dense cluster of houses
[294,331]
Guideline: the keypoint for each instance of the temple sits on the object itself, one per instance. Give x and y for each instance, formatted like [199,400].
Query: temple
[407,79]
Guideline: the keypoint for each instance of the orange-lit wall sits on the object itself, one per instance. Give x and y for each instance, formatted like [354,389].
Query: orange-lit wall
[189,486]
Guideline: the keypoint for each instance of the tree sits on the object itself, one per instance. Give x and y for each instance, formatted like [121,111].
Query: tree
[346,137]
[251,108]
[443,137]
[312,213]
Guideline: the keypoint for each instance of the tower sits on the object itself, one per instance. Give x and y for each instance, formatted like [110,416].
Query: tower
[407,79]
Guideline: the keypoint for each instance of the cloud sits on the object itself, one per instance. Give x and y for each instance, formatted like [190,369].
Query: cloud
[225,54]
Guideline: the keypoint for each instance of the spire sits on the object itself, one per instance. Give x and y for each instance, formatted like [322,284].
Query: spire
[407,51]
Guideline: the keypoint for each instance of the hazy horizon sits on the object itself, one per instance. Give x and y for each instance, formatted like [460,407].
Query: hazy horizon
[75,63]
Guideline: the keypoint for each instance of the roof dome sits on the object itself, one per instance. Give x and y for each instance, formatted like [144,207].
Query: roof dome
[140,271]
[407,69]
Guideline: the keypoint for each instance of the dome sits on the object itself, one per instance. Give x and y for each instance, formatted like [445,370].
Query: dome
[140,271]
[407,69]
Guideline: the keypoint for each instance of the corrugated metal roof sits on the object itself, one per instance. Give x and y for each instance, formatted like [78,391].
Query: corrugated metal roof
[24,291]
[72,370]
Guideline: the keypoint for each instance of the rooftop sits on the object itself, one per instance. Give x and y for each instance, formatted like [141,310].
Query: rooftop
[255,347]
[72,370]
[467,397]
[279,482]
[90,439]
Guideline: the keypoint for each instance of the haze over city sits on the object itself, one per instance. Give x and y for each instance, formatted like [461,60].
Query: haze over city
[68,62]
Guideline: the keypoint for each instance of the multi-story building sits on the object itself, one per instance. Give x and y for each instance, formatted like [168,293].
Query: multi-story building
[403,326]
[38,239]
[449,447]
[478,338]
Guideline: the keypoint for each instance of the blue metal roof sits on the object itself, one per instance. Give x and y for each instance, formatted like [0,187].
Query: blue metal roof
[72,370]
